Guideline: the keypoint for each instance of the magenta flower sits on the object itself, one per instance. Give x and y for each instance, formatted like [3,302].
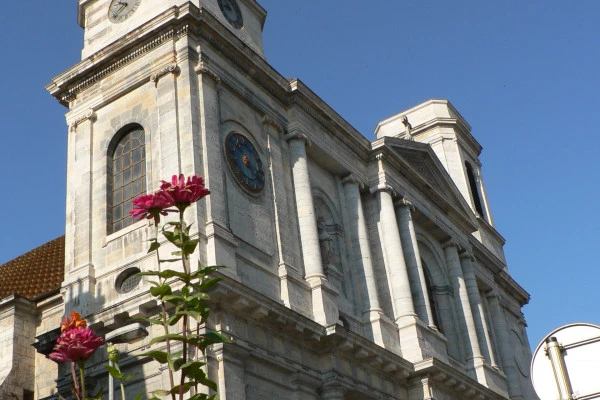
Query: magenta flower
[77,344]
[151,206]
[184,192]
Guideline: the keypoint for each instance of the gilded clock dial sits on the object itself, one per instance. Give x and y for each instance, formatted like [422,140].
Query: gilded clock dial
[244,161]
[120,10]
[232,12]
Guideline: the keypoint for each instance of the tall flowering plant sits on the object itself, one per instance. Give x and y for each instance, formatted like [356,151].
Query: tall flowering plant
[182,296]
[187,305]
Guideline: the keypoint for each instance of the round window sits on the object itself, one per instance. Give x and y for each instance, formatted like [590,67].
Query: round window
[128,280]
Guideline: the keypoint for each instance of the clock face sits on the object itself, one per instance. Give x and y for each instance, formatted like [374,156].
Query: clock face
[232,12]
[244,162]
[120,10]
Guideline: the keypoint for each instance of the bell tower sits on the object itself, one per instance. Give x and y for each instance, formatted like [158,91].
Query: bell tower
[143,104]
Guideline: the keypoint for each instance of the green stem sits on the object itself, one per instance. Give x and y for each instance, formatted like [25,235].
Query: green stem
[164,317]
[82,378]
[185,317]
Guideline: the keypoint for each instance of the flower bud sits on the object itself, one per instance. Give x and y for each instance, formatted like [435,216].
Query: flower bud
[113,353]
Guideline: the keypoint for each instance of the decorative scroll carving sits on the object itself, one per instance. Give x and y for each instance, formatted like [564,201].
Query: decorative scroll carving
[169,69]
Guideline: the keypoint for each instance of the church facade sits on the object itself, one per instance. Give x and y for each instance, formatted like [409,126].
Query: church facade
[356,269]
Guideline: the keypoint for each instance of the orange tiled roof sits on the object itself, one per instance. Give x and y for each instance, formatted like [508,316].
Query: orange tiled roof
[35,272]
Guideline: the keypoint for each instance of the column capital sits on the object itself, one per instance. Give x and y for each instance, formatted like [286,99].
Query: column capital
[451,243]
[404,202]
[268,119]
[383,188]
[89,114]
[353,179]
[169,69]
[202,68]
[466,254]
[297,134]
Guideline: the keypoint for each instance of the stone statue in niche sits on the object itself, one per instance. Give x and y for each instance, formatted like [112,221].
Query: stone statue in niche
[325,242]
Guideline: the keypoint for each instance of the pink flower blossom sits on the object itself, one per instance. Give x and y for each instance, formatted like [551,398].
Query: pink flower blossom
[184,192]
[77,344]
[151,205]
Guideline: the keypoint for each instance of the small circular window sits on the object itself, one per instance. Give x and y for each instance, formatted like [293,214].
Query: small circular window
[128,280]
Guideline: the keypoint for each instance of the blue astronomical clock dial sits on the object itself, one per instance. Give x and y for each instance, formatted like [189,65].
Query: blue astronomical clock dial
[244,162]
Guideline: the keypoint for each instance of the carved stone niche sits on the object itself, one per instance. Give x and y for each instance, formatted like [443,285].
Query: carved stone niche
[331,236]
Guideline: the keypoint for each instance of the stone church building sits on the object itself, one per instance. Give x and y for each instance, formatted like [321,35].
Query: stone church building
[357,269]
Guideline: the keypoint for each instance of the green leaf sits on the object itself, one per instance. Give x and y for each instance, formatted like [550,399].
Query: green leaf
[175,363]
[114,372]
[98,395]
[161,392]
[154,246]
[173,319]
[207,284]
[160,356]
[139,396]
[170,336]
[161,290]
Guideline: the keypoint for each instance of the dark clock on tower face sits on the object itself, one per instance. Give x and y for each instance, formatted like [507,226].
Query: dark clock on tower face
[244,162]
[232,13]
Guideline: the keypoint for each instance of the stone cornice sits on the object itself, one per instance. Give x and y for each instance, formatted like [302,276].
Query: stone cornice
[310,103]
[453,381]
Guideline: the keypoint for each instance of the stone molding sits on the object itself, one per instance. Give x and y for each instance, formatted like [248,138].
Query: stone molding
[169,69]
[85,83]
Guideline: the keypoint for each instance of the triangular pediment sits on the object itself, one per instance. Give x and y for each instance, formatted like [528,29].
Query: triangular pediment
[421,165]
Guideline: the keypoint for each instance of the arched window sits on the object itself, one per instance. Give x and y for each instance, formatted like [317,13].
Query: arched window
[474,189]
[126,176]
[431,295]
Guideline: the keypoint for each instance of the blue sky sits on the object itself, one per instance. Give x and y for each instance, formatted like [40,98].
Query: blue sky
[525,75]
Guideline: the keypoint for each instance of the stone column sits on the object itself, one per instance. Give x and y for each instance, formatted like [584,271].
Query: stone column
[221,244]
[506,352]
[394,258]
[463,308]
[475,301]
[82,208]
[362,259]
[324,303]
[413,262]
